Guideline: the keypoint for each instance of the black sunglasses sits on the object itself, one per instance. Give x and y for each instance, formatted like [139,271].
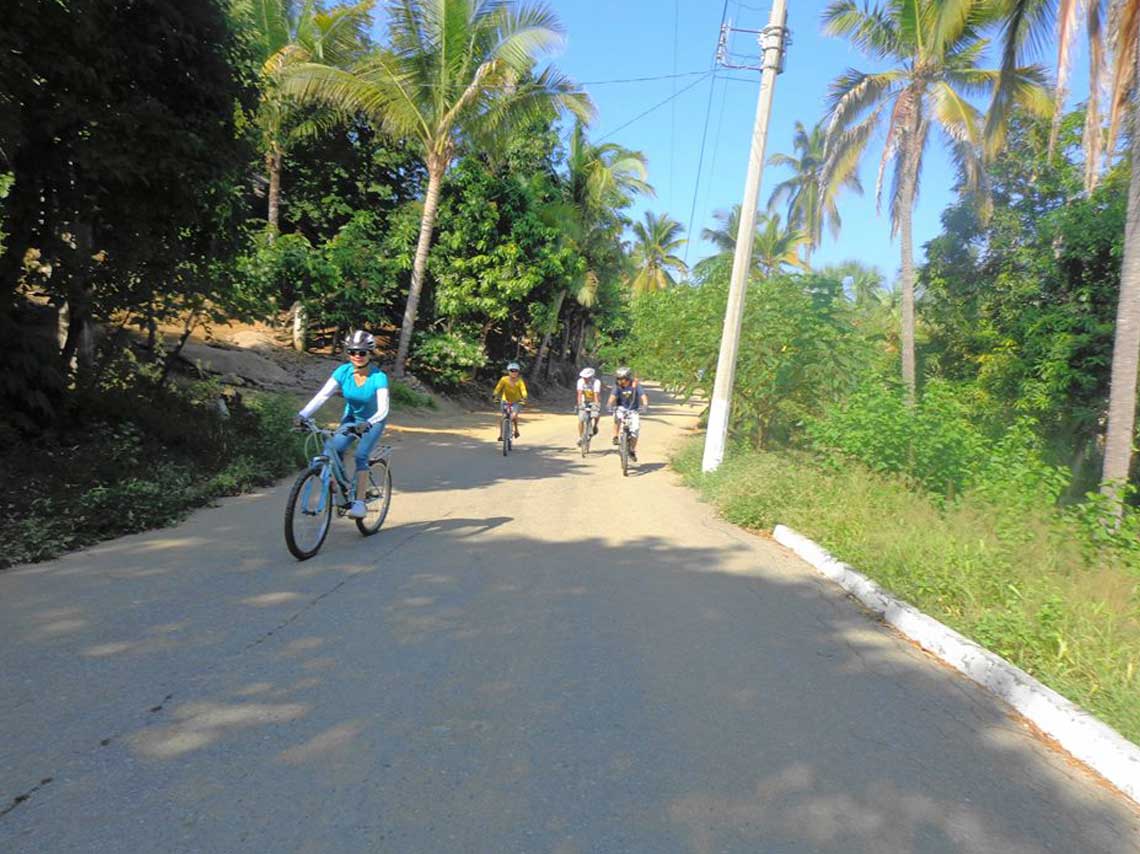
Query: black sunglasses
[358,352]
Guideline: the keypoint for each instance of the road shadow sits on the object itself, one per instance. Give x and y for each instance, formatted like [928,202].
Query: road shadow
[561,694]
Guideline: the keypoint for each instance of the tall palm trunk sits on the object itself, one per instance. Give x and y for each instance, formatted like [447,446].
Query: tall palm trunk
[907,183]
[273,167]
[1126,344]
[436,166]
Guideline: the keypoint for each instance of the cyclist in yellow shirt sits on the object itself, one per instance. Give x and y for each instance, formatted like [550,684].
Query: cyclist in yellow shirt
[511,389]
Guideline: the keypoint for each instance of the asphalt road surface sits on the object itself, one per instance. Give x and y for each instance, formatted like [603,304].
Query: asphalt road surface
[534,655]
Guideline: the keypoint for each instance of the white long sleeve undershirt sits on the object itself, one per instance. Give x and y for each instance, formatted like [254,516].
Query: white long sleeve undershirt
[332,387]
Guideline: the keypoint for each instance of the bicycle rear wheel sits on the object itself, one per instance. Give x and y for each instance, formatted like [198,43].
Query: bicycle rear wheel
[378,498]
[308,514]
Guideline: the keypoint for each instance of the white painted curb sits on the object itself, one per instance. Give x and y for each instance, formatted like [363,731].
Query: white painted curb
[1090,740]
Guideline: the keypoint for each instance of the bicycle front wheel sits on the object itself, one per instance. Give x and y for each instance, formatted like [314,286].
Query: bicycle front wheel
[378,498]
[308,514]
[623,451]
[506,432]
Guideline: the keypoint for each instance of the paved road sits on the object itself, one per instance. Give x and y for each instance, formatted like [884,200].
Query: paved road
[534,655]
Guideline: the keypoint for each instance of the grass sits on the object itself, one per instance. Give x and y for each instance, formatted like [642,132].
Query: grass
[1026,584]
[405,397]
[138,459]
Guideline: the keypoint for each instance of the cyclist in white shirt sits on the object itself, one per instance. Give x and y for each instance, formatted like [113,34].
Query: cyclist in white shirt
[589,395]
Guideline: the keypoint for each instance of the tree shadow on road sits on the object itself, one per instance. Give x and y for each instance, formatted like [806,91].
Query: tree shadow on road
[558,692]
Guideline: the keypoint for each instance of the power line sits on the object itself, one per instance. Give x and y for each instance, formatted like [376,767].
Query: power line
[700,163]
[704,136]
[659,104]
[716,139]
[673,106]
[642,79]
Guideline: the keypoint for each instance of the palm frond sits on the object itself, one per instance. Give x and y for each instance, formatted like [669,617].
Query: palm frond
[1124,29]
[951,19]
[1029,26]
[378,88]
[870,30]
[526,32]
[1092,139]
[854,92]
[1066,36]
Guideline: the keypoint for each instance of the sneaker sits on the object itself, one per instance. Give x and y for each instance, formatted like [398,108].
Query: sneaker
[633,456]
[615,440]
[357,510]
[579,441]
[595,429]
[516,432]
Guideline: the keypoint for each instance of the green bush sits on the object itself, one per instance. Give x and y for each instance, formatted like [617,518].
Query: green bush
[403,395]
[797,350]
[942,442]
[144,454]
[447,358]
[1026,584]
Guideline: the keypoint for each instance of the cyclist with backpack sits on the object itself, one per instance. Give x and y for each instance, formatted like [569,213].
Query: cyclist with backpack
[627,402]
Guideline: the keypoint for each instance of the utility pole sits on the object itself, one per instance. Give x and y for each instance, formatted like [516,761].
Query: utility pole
[771,40]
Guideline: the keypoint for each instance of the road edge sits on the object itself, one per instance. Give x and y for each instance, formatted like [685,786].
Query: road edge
[1082,735]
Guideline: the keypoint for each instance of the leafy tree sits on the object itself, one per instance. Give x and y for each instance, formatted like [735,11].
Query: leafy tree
[127,167]
[286,33]
[494,250]
[934,49]
[812,191]
[773,248]
[866,285]
[655,241]
[599,181]
[1028,23]
[1022,302]
[347,169]
[453,70]
[797,353]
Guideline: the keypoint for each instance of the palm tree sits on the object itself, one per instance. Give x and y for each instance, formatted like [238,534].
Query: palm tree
[287,34]
[815,184]
[776,247]
[655,241]
[599,180]
[453,71]
[772,247]
[724,236]
[934,48]
[867,282]
[1029,22]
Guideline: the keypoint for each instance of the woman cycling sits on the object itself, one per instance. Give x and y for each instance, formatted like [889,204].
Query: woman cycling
[364,388]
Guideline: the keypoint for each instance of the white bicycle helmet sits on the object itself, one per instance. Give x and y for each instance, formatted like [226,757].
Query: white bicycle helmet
[513,366]
[360,340]
[623,374]
[587,373]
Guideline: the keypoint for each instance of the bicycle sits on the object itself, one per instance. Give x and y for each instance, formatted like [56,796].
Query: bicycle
[624,436]
[506,427]
[325,485]
[586,416]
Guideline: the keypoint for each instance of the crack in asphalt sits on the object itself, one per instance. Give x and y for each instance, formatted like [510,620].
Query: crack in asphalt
[392,549]
[19,799]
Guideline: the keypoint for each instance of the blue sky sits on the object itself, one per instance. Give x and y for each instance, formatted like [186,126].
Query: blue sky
[616,39]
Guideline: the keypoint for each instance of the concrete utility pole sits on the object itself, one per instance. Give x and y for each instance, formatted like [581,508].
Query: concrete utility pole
[771,40]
